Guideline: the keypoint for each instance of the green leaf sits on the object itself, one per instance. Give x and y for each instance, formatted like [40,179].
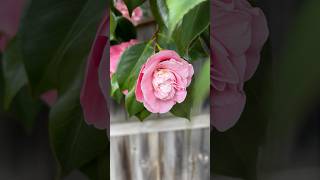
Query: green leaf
[15,76]
[130,64]
[113,26]
[202,79]
[73,142]
[160,12]
[132,105]
[125,30]
[26,109]
[193,24]
[165,41]
[198,50]
[184,109]
[115,92]
[132,4]
[142,115]
[56,37]
[178,9]
[98,169]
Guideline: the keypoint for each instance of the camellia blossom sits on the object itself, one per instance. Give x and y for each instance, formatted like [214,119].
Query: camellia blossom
[116,52]
[10,14]
[163,81]
[136,15]
[94,90]
[238,34]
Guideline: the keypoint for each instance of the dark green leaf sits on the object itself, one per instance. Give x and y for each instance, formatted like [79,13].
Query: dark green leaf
[74,143]
[184,109]
[115,92]
[132,105]
[15,76]
[113,26]
[202,79]
[125,30]
[98,169]
[143,114]
[26,109]
[193,24]
[198,50]
[165,41]
[178,9]
[160,12]
[56,37]
[130,64]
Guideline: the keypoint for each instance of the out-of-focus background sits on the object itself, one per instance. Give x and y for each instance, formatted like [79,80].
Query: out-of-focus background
[27,155]
[287,147]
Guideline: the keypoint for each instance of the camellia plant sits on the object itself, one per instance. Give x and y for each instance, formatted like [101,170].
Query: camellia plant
[169,70]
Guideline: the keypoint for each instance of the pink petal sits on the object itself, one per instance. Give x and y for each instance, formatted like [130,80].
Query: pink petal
[224,117]
[50,97]
[92,97]
[10,13]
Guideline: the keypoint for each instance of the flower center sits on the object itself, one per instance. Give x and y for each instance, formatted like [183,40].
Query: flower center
[163,83]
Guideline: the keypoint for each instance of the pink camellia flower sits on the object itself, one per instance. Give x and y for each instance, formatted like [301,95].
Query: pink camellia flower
[238,34]
[10,13]
[163,81]
[136,15]
[94,90]
[116,52]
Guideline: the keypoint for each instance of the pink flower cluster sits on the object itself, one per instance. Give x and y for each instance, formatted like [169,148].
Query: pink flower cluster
[238,34]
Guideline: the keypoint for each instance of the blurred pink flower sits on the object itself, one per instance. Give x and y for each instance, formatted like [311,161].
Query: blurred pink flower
[50,97]
[163,81]
[116,52]
[238,34]
[94,90]
[136,15]
[10,13]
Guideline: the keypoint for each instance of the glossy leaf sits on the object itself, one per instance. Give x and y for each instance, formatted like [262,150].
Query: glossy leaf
[74,142]
[178,9]
[56,37]
[193,24]
[130,64]
[115,90]
[160,12]
[202,79]
[113,25]
[184,109]
[132,105]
